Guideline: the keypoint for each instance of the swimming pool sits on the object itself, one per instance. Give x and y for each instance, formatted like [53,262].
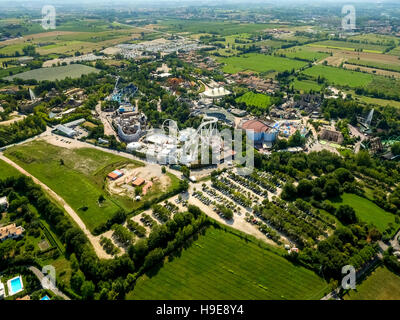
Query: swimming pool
[45,298]
[15,285]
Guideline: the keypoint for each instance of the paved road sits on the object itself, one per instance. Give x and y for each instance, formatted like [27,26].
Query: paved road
[71,212]
[40,276]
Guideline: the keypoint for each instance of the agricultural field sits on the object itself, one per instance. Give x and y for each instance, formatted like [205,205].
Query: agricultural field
[382,284]
[260,63]
[255,99]
[376,39]
[55,73]
[373,64]
[350,46]
[339,76]
[395,51]
[221,28]
[306,85]
[77,175]
[303,53]
[221,265]
[375,101]
[379,72]
[367,211]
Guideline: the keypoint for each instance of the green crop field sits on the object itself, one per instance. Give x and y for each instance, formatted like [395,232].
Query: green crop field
[374,64]
[376,39]
[7,171]
[55,73]
[255,99]
[79,181]
[350,46]
[340,76]
[260,63]
[221,28]
[220,265]
[367,211]
[382,284]
[306,85]
[303,53]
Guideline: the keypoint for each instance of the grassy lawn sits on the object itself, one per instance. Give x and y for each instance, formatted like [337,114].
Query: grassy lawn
[7,171]
[260,63]
[55,73]
[382,284]
[339,76]
[220,265]
[79,181]
[367,211]
[255,99]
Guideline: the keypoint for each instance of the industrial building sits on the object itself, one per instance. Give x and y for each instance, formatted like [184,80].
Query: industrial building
[259,131]
[116,174]
[64,131]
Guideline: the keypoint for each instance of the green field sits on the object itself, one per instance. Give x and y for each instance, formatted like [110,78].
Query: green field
[260,63]
[382,284]
[306,85]
[376,39]
[214,27]
[349,46]
[395,51]
[340,76]
[373,64]
[255,99]
[55,73]
[367,211]
[303,53]
[7,171]
[375,101]
[220,265]
[79,181]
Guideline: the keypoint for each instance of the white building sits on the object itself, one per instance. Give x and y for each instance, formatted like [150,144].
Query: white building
[215,93]
[3,204]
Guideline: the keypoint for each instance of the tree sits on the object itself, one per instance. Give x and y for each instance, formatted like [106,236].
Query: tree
[395,148]
[87,290]
[363,159]
[346,214]
[332,188]
[77,281]
[185,171]
[296,140]
[304,188]
[289,191]
[343,175]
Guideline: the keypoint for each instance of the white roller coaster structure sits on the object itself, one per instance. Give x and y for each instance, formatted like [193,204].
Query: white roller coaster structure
[205,135]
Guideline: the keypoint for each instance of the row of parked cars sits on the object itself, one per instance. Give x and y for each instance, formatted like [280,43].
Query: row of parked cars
[202,198]
[147,220]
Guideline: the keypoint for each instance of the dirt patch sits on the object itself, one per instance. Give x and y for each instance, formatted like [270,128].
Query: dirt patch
[43,245]
[124,186]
